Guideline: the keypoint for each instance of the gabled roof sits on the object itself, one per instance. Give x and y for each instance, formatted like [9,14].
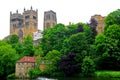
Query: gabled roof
[27,59]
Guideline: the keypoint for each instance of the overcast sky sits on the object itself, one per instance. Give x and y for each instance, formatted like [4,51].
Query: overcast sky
[67,10]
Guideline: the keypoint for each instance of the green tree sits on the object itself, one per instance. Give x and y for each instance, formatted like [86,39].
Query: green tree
[52,60]
[88,66]
[31,73]
[14,41]
[75,43]
[113,18]
[7,59]
[53,38]
[107,48]
[28,49]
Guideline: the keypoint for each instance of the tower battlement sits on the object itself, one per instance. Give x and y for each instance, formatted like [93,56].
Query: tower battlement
[50,19]
[25,23]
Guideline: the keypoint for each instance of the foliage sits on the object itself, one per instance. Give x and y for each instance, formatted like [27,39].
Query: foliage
[7,59]
[31,73]
[107,48]
[53,38]
[111,74]
[75,43]
[11,76]
[52,62]
[28,49]
[88,66]
[108,63]
[112,18]
[14,41]
[68,65]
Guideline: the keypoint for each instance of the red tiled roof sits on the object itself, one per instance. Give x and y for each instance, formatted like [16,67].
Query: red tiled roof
[27,59]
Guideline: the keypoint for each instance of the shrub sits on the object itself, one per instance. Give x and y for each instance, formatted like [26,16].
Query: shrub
[11,76]
[88,66]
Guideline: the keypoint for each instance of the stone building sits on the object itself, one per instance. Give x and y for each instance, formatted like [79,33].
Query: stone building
[100,23]
[50,19]
[23,65]
[25,23]
[37,36]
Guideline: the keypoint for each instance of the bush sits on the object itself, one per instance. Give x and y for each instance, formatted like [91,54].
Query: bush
[11,76]
[88,66]
[113,74]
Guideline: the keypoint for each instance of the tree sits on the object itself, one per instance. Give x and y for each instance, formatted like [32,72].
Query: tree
[75,43]
[113,36]
[7,59]
[14,41]
[31,73]
[28,49]
[68,65]
[88,66]
[52,60]
[53,38]
[107,48]
[113,18]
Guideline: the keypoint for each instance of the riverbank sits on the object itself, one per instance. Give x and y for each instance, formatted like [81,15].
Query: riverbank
[111,74]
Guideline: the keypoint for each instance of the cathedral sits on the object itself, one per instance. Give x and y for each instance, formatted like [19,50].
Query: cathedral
[27,23]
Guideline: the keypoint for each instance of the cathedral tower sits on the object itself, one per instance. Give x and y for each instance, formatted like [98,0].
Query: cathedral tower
[49,19]
[24,24]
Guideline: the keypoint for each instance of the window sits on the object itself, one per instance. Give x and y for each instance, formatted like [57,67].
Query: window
[14,25]
[20,24]
[34,17]
[48,17]
[13,19]
[20,33]
[35,24]
[27,23]
[48,25]
[53,16]
[27,17]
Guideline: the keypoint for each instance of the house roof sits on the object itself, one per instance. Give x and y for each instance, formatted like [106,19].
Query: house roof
[27,59]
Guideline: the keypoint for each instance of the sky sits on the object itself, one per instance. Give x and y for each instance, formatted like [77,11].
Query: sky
[73,11]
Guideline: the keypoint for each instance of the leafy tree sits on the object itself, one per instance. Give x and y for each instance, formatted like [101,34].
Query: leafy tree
[88,66]
[68,65]
[53,38]
[31,73]
[76,43]
[7,59]
[113,18]
[52,60]
[113,34]
[28,49]
[14,41]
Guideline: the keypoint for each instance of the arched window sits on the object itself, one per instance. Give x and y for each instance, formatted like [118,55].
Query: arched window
[48,25]
[20,33]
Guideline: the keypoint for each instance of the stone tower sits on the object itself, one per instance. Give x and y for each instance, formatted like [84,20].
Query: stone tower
[100,23]
[25,23]
[50,19]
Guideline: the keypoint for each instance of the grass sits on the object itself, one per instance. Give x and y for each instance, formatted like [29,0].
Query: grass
[112,74]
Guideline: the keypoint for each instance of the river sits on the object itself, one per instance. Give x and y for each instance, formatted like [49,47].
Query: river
[62,78]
